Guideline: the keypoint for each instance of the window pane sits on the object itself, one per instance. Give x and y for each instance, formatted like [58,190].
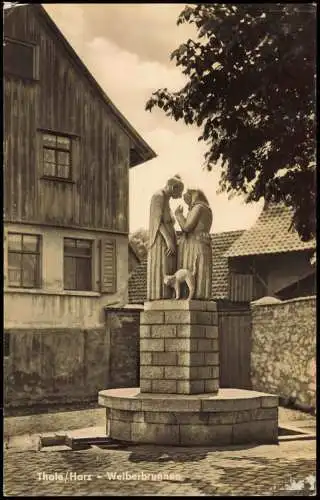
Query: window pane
[83,243]
[50,140]
[49,169]
[63,171]
[63,158]
[29,270]
[63,142]
[69,273]
[14,269]
[30,243]
[83,247]
[83,274]
[18,59]
[49,155]
[69,243]
[14,277]
[15,242]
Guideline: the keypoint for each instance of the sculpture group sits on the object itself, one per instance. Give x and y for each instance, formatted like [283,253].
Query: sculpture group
[179,269]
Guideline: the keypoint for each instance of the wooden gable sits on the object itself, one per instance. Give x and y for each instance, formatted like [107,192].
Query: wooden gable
[63,98]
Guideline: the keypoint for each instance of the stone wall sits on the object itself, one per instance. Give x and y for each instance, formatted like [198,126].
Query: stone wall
[55,366]
[123,325]
[64,365]
[283,353]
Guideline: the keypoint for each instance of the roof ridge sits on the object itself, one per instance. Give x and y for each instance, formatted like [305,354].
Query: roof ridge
[270,234]
[124,123]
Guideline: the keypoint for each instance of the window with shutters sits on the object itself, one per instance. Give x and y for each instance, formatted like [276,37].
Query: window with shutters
[20,59]
[77,264]
[108,266]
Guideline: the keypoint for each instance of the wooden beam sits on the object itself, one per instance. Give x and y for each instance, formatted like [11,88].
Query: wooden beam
[259,277]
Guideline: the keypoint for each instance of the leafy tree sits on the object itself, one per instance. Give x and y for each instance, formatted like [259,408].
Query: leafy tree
[250,87]
[139,240]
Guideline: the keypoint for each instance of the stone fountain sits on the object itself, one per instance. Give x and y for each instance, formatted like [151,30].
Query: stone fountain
[179,401]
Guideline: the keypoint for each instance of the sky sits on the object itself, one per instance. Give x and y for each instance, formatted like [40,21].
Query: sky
[127,49]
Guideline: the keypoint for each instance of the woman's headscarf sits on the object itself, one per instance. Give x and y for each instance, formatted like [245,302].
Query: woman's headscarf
[196,196]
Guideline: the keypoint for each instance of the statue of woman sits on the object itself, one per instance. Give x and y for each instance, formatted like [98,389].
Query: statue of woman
[195,250]
[162,251]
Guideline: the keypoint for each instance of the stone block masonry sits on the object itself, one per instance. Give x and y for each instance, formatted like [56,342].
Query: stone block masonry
[179,401]
[230,418]
[283,357]
[179,349]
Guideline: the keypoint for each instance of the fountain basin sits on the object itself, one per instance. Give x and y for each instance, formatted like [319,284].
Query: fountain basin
[233,416]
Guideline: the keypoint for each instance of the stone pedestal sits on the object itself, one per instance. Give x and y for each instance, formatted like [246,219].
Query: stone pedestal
[179,401]
[179,347]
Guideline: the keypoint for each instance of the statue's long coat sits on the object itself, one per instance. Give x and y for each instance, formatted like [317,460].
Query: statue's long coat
[159,264]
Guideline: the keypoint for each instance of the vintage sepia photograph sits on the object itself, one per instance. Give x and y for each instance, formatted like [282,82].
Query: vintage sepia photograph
[159,249]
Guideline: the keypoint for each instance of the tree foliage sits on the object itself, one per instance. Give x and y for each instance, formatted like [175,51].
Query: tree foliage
[251,89]
[139,241]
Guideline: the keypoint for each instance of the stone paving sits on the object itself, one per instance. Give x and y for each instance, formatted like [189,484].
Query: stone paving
[278,470]
[286,469]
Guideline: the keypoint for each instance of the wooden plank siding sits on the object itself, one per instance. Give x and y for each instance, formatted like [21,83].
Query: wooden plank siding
[241,287]
[64,101]
[234,345]
[247,279]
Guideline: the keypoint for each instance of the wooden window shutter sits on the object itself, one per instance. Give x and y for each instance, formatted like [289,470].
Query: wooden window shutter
[108,266]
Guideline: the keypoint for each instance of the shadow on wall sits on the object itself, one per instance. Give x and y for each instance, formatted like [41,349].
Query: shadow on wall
[50,366]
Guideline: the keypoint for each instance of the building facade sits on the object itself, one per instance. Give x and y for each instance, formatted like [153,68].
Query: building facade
[67,154]
[270,259]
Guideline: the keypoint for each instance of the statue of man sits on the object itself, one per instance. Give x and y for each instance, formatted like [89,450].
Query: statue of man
[162,252]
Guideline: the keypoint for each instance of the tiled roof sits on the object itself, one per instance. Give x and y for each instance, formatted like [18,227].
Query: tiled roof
[220,243]
[137,289]
[133,252]
[269,235]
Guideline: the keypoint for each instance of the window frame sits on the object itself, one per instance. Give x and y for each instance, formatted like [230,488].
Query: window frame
[38,254]
[56,150]
[35,67]
[76,256]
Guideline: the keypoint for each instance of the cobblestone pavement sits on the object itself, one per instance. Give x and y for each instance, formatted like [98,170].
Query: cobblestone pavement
[260,470]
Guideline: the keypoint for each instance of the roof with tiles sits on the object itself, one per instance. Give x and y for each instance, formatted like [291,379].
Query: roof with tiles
[270,234]
[137,290]
[220,243]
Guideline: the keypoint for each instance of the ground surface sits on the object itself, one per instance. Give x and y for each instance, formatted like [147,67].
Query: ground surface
[285,469]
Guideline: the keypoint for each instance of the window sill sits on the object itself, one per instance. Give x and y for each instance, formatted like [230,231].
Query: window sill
[40,291]
[56,179]
[27,79]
